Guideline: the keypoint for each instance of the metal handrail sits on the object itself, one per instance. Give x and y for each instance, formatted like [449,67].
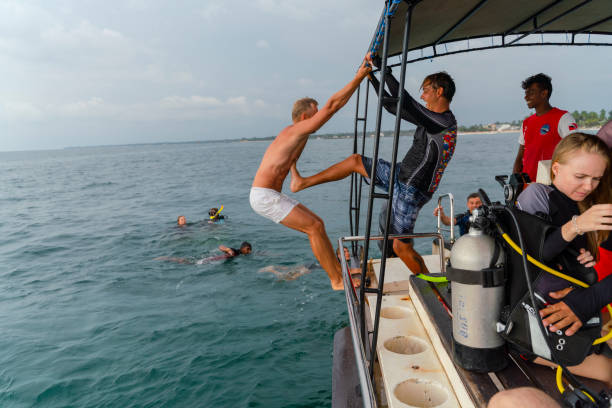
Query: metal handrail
[452,216]
[369,398]
[363,365]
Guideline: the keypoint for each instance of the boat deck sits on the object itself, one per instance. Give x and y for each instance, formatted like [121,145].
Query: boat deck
[415,351]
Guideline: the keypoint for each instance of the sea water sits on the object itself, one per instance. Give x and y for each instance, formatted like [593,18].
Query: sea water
[89,317]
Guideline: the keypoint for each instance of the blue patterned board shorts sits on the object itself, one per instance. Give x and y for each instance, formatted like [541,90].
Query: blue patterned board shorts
[407,200]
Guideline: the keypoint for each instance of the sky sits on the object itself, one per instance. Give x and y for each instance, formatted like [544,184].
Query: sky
[88,72]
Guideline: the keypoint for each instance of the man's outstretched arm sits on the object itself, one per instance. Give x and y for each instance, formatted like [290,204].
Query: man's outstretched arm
[335,103]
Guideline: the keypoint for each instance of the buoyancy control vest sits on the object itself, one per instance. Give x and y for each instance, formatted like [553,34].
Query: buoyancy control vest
[519,317]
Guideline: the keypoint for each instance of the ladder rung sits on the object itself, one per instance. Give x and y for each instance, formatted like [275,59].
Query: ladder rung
[381,195]
[370,290]
[390,99]
[361,119]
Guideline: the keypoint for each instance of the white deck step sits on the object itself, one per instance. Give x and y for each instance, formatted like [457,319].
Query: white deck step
[409,350]
[397,273]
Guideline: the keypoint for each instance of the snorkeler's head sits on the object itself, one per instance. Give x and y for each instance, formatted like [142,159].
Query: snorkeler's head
[213,211]
[245,248]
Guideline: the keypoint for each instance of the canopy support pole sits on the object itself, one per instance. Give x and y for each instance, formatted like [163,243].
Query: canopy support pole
[396,134]
[552,20]
[460,22]
[368,225]
[531,17]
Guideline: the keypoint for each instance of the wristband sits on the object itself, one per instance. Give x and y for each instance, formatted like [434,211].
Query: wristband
[575,224]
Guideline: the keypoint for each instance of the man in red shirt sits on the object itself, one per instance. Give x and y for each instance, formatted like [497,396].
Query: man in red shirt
[541,131]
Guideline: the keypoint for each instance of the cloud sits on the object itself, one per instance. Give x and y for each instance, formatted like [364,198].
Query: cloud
[305,82]
[237,101]
[84,34]
[170,107]
[195,101]
[293,10]
[319,10]
[212,10]
[159,74]
[94,106]
[18,110]
[262,44]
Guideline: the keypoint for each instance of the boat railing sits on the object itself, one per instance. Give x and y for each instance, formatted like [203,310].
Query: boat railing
[452,217]
[362,350]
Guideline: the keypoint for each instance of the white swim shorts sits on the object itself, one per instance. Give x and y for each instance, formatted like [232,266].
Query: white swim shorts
[271,203]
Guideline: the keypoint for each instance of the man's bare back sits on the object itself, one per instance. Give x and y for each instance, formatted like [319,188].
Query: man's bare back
[266,197]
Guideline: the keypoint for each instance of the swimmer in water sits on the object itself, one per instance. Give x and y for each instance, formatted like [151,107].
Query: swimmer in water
[245,249]
[214,215]
[287,273]
[181,221]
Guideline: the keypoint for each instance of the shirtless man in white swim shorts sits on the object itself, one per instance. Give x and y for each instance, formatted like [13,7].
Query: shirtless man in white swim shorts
[266,197]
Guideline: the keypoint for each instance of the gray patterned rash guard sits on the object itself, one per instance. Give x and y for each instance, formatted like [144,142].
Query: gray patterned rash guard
[434,139]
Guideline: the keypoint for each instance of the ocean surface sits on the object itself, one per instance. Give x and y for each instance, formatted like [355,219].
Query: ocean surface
[89,318]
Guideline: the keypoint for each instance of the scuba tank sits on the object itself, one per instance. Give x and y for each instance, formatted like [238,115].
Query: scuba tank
[484,290]
[477,284]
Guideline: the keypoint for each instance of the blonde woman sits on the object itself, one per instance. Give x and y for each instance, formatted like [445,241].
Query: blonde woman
[579,203]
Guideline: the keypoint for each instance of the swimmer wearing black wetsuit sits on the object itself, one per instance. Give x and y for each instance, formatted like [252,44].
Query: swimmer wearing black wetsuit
[245,248]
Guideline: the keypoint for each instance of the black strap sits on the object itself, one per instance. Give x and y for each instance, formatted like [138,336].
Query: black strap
[486,278]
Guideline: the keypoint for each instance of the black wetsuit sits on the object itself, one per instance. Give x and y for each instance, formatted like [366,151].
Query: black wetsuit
[547,201]
[556,207]
[586,302]
[434,139]
[463,222]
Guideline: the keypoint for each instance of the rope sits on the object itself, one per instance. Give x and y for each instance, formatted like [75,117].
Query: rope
[390,9]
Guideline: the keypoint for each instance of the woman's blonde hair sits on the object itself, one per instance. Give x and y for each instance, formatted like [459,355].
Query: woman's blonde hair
[603,193]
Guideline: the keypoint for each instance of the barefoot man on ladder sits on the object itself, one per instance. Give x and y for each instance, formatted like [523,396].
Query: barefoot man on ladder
[282,154]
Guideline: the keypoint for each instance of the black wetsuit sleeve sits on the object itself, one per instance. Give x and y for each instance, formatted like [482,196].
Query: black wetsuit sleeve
[585,303]
[236,251]
[535,200]
[554,244]
[412,111]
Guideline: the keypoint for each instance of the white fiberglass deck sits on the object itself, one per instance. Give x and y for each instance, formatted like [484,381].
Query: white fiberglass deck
[415,368]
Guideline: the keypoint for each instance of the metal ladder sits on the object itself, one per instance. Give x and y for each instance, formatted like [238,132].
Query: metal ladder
[357,182]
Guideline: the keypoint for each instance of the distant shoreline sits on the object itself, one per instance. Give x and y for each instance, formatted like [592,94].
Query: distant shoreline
[270,138]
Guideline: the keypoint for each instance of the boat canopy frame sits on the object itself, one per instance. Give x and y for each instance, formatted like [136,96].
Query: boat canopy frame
[505,23]
[396,36]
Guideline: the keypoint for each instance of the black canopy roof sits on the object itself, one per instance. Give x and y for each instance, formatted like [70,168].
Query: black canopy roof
[442,25]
